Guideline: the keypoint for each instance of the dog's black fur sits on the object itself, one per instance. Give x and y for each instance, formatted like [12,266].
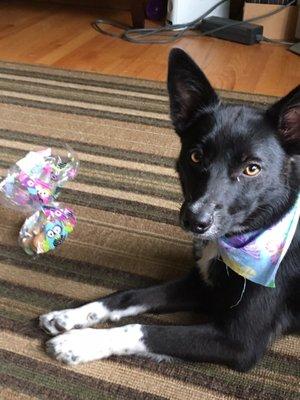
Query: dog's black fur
[228,137]
[221,200]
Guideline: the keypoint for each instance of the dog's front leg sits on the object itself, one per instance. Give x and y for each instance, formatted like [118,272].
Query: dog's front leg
[184,294]
[200,343]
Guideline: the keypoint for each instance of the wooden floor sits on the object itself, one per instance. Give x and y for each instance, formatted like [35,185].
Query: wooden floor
[61,36]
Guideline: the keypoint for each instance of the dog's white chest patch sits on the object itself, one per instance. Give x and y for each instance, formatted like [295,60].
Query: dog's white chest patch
[210,252]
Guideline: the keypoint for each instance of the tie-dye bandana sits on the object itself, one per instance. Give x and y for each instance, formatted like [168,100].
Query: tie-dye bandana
[257,255]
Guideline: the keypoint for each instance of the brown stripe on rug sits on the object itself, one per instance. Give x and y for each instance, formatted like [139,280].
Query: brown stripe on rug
[127,199]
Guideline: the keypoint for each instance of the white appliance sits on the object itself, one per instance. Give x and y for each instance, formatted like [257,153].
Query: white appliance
[183,11]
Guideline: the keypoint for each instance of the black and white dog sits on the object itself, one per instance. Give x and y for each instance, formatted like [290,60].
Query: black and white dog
[239,171]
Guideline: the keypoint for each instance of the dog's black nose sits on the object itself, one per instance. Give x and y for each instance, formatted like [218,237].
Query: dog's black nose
[198,222]
[203,225]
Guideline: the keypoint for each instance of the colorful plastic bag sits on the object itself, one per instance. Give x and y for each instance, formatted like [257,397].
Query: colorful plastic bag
[33,185]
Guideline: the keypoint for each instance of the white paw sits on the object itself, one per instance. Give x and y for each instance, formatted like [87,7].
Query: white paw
[79,346]
[82,317]
[58,321]
[61,321]
[89,344]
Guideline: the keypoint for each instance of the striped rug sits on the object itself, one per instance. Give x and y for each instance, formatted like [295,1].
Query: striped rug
[127,199]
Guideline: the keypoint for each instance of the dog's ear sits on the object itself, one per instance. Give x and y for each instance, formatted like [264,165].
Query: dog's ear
[285,115]
[189,90]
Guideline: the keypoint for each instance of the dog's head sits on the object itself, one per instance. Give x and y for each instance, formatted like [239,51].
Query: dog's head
[238,164]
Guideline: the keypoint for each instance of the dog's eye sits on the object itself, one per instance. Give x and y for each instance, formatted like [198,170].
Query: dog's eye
[195,157]
[252,169]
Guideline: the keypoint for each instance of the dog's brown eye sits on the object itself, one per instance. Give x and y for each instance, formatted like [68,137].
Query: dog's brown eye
[195,157]
[252,169]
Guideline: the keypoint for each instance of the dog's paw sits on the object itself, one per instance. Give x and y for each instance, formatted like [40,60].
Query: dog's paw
[89,344]
[58,321]
[82,317]
[62,321]
[80,346]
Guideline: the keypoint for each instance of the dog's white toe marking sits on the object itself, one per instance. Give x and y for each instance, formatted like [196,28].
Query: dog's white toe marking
[89,344]
[82,317]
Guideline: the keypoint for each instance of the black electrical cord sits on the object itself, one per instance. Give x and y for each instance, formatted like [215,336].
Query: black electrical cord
[173,32]
[176,31]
